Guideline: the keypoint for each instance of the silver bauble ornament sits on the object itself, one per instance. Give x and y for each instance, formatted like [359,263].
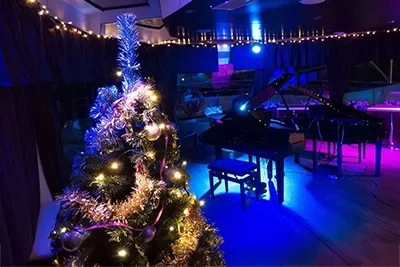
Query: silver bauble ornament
[119,124]
[149,234]
[72,240]
[75,262]
[153,132]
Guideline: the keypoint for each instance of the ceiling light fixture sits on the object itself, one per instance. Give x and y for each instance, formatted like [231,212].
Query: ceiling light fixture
[256,49]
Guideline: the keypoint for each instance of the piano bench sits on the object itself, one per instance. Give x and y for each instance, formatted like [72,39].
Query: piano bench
[236,171]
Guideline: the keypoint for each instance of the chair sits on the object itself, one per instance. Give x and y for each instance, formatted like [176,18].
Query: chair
[236,171]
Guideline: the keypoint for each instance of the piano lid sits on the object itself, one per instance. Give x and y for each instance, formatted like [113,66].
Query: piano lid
[250,116]
[269,91]
[340,109]
[318,97]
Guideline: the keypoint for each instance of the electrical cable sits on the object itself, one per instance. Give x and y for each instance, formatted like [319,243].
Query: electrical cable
[320,137]
[361,180]
[375,196]
[308,228]
[385,203]
[388,223]
[342,134]
[319,133]
[325,243]
[320,238]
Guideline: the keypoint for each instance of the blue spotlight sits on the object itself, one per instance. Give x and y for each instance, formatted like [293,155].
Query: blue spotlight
[256,49]
[242,107]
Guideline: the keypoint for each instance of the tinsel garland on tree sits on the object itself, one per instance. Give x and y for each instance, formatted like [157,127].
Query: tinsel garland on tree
[128,201]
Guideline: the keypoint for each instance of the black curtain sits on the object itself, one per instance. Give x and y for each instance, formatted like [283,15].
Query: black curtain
[36,52]
[158,63]
[48,138]
[299,55]
[37,56]
[342,54]
[274,56]
[19,178]
[340,60]
[28,121]
[261,79]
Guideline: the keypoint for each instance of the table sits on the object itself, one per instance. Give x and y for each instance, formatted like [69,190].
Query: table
[391,109]
[214,117]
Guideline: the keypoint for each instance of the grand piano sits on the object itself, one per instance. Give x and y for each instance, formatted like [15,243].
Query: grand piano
[251,130]
[339,124]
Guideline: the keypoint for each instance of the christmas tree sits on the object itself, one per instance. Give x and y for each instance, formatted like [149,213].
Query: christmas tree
[128,201]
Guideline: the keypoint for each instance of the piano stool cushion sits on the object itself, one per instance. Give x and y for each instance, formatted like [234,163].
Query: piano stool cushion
[232,166]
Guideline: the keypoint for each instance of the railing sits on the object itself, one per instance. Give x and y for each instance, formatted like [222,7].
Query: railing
[208,91]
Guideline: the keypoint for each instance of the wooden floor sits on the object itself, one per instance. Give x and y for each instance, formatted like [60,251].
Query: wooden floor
[350,221]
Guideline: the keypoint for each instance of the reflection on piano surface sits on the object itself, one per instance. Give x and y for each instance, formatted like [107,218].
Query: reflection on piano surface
[251,131]
[333,122]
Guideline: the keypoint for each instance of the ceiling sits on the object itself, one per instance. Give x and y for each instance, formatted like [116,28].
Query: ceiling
[80,5]
[156,23]
[104,5]
[275,15]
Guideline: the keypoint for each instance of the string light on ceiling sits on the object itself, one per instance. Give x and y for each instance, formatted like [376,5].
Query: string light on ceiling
[59,24]
[209,39]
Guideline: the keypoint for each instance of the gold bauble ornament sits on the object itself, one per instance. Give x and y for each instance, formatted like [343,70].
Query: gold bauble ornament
[153,132]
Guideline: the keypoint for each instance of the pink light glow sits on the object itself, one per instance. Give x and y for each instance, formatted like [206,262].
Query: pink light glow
[223,76]
[384,108]
[295,108]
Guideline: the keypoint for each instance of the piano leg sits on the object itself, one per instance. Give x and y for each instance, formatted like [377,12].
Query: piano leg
[280,180]
[250,158]
[211,177]
[314,155]
[359,152]
[329,150]
[297,158]
[258,178]
[339,150]
[269,169]
[378,148]
[364,150]
[242,195]
[391,143]
[226,183]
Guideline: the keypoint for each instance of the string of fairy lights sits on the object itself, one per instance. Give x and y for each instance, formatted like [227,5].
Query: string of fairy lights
[62,25]
[236,37]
